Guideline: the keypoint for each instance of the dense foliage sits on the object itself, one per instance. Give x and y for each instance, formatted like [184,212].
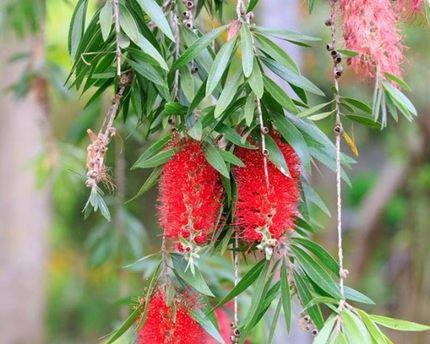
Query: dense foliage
[216,91]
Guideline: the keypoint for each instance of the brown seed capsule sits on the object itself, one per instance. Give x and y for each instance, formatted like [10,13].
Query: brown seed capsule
[265,152]
[307,318]
[329,47]
[314,332]
[188,24]
[194,69]
[236,332]
[333,53]
[186,14]
[337,59]
[338,72]
[328,22]
[189,4]
[337,129]
[232,325]
[264,130]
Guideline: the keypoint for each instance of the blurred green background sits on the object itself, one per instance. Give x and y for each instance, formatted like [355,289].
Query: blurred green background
[62,276]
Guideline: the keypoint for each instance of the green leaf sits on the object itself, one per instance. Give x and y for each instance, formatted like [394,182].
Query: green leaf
[77,26]
[214,157]
[320,116]
[150,182]
[291,77]
[277,53]
[276,156]
[324,334]
[320,252]
[293,136]
[304,292]
[207,325]
[157,16]
[355,295]
[316,272]
[105,19]
[398,81]
[279,95]
[255,80]
[194,50]
[231,158]
[249,109]
[148,71]
[156,160]
[354,328]
[247,50]
[138,312]
[399,97]
[374,331]
[219,65]
[290,36]
[326,300]
[174,109]
[129,322]
[257,298]
[367,121]
[196,131]
[397,324]
[286,295]
[195,280]
[244,282]
[274,322]
[153,149]
[251,5]
[227,94]
[312,110]
[348,53]
[358,104]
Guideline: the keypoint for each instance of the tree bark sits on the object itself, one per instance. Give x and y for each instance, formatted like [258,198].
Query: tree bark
[24,207]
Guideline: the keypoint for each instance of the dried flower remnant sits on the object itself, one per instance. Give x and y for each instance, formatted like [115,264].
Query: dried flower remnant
[96,169]
[370,29]
[190,197]
[264,213]
[171,324]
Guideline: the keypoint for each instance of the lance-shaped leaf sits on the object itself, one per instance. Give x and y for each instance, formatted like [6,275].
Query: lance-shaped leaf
[77,26]
[397,324]
[194,50]
[248,279]
[195,280]
[247,50]
[316,272]
[152,150]
[227,94]
[219,66]
[214,157]
[286,295]
[279,95]
[354,329]
[156,14]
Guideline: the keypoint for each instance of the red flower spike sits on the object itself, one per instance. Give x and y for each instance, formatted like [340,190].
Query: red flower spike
[165,325]
[259,208]
[190,195]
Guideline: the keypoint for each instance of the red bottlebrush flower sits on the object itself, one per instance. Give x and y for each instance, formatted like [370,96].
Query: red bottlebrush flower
[165,325]
[370,29]
[190,195]
[260,210]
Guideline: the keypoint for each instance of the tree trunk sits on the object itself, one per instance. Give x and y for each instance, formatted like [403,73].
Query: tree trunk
[24,207]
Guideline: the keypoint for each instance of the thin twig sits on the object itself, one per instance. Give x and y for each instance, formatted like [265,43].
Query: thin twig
[263,131]
[116,16]
[175,24]
[338,129]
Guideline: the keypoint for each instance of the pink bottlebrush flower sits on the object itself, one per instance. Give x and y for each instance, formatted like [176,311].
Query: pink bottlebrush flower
[370,29]
[260,209]
[409,7]
[190,197]
[171,325]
